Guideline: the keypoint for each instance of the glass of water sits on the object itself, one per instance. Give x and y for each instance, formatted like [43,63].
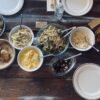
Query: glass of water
[59,11]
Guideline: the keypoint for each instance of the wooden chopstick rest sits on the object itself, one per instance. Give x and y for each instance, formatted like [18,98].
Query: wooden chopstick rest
[93,23]
[95,26]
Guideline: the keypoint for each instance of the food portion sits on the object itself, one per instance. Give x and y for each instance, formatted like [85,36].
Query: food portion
[5,53]
[51,40]
[1,24]
[97,31]
[21,37]
[80,39]
[53,4]
[29,58]
[61,65]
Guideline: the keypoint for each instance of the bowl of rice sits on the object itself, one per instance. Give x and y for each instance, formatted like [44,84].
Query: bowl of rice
[82,38]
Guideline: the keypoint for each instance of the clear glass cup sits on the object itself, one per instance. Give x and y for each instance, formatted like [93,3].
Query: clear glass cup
[59,11]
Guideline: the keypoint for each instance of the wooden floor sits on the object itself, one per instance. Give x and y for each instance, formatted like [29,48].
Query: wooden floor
[16,84]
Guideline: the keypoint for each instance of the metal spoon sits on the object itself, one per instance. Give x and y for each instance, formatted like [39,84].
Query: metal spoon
[96,49]
[62,31]
[48,55]
[69,32]
[21,20]
[92,45]
[79,54]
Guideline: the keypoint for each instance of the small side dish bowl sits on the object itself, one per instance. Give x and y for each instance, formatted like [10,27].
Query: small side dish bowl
[2,25]
[59,66]
[7,54]
[30,58]
[82,38]
[21,36]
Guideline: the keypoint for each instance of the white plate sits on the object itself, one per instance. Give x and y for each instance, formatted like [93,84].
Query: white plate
[77,7]
[86,81]
[10,7]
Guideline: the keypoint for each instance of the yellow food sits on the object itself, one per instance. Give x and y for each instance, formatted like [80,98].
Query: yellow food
[29,58]
[80,39]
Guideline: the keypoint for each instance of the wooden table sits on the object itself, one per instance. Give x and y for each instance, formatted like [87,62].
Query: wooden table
[42,85]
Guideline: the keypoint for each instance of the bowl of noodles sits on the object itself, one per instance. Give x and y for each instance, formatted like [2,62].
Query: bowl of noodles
[82,39]
[51,40]
[21,36]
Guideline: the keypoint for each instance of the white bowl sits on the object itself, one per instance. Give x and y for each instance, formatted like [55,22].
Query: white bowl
[14,30]
[12,55]
[86,81]
[37,67]
[90,35]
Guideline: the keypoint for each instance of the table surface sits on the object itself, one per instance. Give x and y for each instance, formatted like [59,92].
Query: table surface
[42,85]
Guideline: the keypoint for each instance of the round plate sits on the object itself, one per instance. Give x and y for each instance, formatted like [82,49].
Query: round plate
[10,7]
[86,81]
[77,7]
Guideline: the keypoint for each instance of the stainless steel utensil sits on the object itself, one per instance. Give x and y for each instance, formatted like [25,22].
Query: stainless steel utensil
[21,20]
[96,49]
[79,54]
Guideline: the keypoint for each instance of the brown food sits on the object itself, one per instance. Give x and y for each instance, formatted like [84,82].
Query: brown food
[5,55]
[5,52]
[80,40]
[98,31]
[93,23]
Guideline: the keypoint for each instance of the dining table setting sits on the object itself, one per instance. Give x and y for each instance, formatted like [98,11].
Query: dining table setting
[49,49]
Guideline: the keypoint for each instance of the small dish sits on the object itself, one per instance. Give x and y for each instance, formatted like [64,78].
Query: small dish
[82,39]
[86,81]
[10,7]
[77,7]
[7,54]
[59,66]
[2,25]
[21,36]
[30,59]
